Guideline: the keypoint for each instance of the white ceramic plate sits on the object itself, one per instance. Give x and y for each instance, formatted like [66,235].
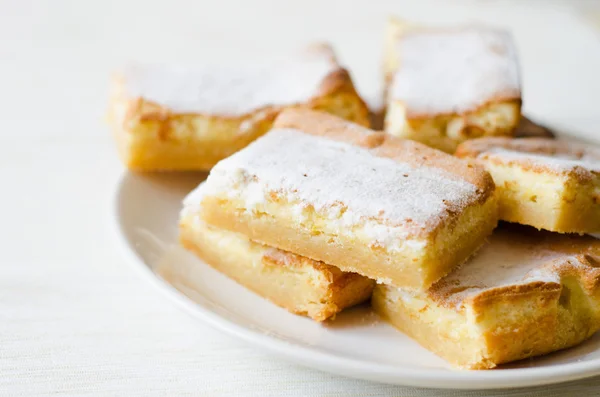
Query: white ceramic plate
[357,344]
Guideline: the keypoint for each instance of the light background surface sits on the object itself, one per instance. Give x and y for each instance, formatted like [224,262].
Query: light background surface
[75,318]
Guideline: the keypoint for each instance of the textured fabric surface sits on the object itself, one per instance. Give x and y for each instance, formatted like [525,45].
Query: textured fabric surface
[75,317]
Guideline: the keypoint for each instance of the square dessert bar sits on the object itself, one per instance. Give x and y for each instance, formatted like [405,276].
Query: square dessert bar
[390,209]
[189,118]
[447,85]
[301,285]
[545,183]
[525,293]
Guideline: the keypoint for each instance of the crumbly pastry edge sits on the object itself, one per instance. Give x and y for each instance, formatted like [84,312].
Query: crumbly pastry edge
[337,290]
[140,109]
[477,221]
[479,149]
[544,328]
[151,137]
[570,201]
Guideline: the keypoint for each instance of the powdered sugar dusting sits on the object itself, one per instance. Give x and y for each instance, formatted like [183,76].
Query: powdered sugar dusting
[234,89]
[342,181]
[502,261]
[453,71]
[558,162]
[510,258]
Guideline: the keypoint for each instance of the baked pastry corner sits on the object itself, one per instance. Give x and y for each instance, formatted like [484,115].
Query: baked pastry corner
[448,85]
[545,183]
[524,294]
[301,285]
[189,118]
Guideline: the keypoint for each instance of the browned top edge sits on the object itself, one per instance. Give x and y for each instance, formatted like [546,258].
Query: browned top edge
[336,82]
[384,145]
[396,30]
[588,276]
[333,275]
[585,249]
[482,148]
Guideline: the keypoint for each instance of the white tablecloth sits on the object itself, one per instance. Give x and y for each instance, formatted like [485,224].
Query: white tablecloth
[75,318]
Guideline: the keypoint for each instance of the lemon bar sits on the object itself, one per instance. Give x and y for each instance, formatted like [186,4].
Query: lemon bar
[525,293]
[301,285]
[188,118]
[546,183]
[390,209]
[448,85]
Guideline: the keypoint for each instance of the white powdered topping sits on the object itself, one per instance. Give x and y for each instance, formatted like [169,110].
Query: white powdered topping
[454,71]
[230,90]
[191,202]
[508,259]
[503,261]
[557,162]
[345,183]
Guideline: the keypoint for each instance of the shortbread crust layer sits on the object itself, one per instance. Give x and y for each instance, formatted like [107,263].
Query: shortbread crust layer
[300,285]
[548,184]
[159,123]
[448,85]
[526,293]
[392,210]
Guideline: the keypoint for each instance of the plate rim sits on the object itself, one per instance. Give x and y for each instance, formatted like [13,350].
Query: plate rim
[348,367]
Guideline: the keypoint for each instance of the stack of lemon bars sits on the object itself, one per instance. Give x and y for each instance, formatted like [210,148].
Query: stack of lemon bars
[309,208]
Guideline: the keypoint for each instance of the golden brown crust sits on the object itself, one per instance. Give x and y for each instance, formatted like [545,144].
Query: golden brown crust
[384,145]
[336,82]
[298,284]
[443,129]
[416,271]
[336,278]
[396,30]
[573,256]
[288,259]
[419,251]
[151,136]
[377,117]
[448,244]
[143,110]
[487,149]
[445,132]
[554,306]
